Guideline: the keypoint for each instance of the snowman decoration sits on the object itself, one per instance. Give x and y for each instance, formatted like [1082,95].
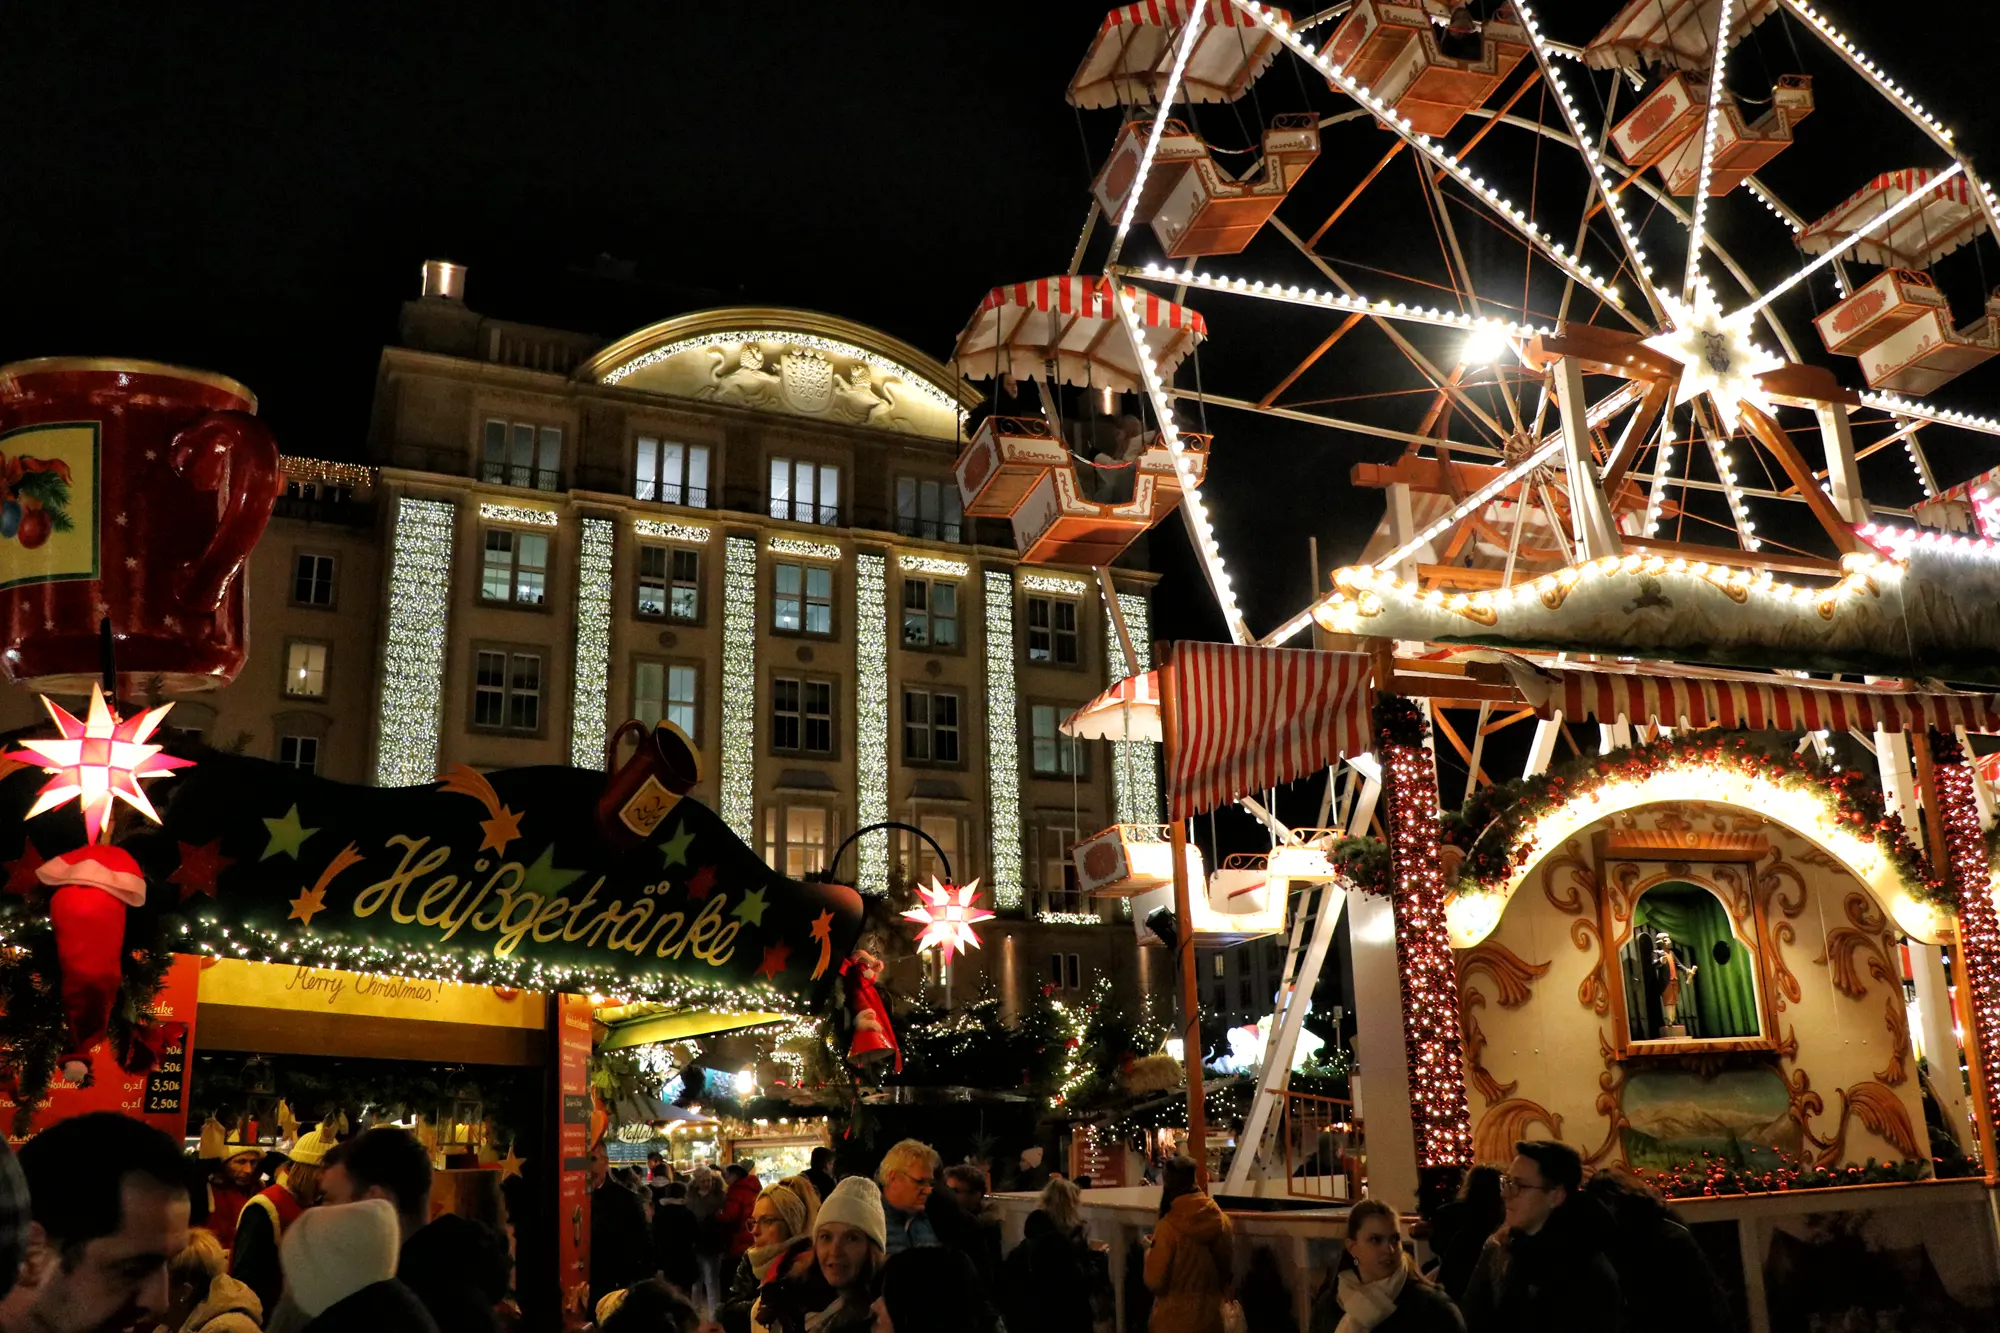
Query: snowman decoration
[97,761]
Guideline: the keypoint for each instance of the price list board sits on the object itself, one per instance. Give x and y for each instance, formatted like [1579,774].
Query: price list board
[573,1019]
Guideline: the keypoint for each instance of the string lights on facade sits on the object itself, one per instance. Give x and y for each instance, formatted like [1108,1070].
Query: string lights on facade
[1003,746]
[799,546]
[912,563]
[413,642]
[739,686]
[325,472]
[590,701]
[1135,786]
[525,515]
[1424,960]
[692,533]
[871,719]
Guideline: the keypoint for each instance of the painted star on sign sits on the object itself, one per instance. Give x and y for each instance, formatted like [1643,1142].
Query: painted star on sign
[774,960]
[751,909]
[21,877]
[510,1165]
[675,849]
[308,904]
[200,868]
[547,878]
[288,835]
[700,884]
[823,932]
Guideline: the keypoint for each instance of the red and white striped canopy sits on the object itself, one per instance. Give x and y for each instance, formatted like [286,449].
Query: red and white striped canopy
[1133,53]
[1128,711]
[1022,328]
[1679,33]
[1677,701]
[1251,718]
[1947,218]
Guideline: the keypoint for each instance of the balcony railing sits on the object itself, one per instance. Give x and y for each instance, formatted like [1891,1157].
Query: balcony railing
[345,512]
[528,478]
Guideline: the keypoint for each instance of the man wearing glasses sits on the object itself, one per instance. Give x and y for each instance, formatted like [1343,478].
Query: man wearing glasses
[919,1213]
[1546,1270]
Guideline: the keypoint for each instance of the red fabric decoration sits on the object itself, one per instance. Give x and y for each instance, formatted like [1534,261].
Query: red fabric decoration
[874,1035]
[93,886]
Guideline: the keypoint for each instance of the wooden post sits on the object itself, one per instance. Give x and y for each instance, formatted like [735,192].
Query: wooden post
[1968,1020]
[1170,734]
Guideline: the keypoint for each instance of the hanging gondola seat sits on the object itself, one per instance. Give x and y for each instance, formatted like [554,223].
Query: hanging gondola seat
[1394,50]
[1664,130]
[1899,325]
[1232,907]
[1127,859]
[1192,206]
[1002,462]
[1946,218]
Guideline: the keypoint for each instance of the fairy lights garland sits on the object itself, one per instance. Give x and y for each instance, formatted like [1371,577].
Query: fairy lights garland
[1970,879]
[591,691]
[1003,743]
[871,718]
[413,643]
[739,687]
[1424,961]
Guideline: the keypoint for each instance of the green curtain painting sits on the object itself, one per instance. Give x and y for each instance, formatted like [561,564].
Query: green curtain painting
[1725,993]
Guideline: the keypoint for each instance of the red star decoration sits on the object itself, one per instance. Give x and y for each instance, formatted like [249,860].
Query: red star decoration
[774,960]
[21,874]
[701,883]
[199,869]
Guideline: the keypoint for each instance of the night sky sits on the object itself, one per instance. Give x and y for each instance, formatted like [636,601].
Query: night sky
[252,192]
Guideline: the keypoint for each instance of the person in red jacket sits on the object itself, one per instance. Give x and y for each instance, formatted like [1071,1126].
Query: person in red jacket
[737,1206]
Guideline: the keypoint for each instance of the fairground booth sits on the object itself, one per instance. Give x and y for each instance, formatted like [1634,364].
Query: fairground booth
[1645,729]
[194,934]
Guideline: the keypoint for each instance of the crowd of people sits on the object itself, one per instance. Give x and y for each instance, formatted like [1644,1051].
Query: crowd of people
[103,1230]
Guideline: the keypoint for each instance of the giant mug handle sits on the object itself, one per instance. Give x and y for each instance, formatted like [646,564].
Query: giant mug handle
[232,453]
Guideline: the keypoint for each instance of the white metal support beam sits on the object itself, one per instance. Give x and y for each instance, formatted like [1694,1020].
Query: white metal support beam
[1596,533]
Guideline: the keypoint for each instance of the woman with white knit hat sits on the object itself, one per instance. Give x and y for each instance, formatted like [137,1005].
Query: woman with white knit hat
[340,1271]
[824,1282]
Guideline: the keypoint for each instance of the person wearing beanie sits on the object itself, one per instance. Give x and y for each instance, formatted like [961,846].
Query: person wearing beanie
[652,1306]
[824,1282]
[262,1224]
[933,1290]
[783,1213]
[231,1179]
[340,1271]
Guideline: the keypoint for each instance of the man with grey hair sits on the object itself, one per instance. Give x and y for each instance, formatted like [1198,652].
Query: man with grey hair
[919,1213]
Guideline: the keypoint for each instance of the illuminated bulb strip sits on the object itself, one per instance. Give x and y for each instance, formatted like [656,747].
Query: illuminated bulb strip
[1698,215]
[540,518]
[413,643]
[1718,449]
[590,694]
[1544,50]
[325,470]
[739,687]
[1851,240]
[1271,291]
[1190,34]
[1662,472]
[1003,743]
[679,532]
[1423,143]
[931,564]
[1770,201]
[1921,465]
[800,546]
[1192,507]
[871,718]
[1911,411]
[1899,542]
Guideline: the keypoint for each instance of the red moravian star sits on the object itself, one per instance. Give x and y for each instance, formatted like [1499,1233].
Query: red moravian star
[99,761]
[947,917]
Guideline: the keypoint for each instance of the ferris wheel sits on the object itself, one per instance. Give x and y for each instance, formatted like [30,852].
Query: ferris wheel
[1642,294]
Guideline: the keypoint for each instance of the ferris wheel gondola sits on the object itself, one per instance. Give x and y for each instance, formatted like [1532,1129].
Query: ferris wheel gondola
[1131,60]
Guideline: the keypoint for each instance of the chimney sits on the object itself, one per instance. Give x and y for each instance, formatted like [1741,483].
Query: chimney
[444,280]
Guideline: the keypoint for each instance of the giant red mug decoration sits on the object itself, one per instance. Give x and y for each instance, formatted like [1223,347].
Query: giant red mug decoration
[133,492]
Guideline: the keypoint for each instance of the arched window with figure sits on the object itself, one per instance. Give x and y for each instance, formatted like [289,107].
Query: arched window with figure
[1687,975]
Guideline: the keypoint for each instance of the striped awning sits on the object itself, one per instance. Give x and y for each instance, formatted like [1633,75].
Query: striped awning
[1128,711]
[1067,329]
[1679,701]
[1948,217]
[1251,718]
[1133,53]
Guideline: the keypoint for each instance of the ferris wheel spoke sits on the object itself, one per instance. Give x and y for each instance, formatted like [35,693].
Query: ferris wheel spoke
[1446,161]
[1854,237]
[1711,121]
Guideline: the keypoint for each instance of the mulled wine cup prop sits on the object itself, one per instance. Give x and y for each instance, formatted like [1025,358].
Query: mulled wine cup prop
[97,761]
[643,791]
[129,491]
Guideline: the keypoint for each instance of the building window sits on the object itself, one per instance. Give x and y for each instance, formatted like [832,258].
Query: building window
[520,453]
[804,599]
[796,838]
[1052,631]
[312,580]
[516,567]
[300,752]
[930,727]
[928,508]
[1057,870]
[671,472]
[1218,965]
[921,860]
[930,613]
[1065,971]
[665,692]
[305,669]
[805,492]
[1056,755]
[507,690]
[801,715]
[669,583]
